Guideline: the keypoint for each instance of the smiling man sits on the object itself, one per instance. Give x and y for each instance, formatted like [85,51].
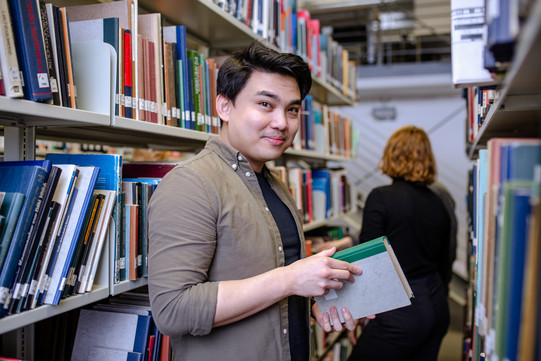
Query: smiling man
[228,273]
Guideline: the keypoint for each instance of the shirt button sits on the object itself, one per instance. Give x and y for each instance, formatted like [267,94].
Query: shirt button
[234,166]
[247,174]
[239,157]
[285,331]
[267,209]
[280,248]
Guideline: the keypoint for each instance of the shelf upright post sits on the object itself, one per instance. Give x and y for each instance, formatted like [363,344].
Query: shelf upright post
[19,143]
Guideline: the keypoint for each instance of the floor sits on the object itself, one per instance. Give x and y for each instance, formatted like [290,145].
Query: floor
[452,345]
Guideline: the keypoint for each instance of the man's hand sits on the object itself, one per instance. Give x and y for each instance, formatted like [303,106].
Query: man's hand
[316,275]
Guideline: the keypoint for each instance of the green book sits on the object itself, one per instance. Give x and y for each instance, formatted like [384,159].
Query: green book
[381,287]
[193,56]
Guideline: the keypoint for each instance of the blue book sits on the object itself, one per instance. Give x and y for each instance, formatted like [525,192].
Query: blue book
[481,202]
[192,122]
[28,178]
[511,253]
[38,236]
[11,207]
[308,123]
[322,178]
[518,159]
[520,212]
[30,49]
[183,57]
[108,178]
[500,38]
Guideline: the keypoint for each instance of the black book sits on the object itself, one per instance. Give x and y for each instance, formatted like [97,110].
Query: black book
[48,47]
[87,240]
[63,83]
[44,242]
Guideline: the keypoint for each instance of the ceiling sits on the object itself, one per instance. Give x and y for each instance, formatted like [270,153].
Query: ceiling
[384,32]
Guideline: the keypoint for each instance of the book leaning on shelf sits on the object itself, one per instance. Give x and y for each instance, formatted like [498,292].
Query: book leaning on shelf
[30,49]
[381,287]
[9,65]
[28,178]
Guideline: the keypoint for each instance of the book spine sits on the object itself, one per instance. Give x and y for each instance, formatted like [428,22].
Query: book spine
[18,240]
[182,55]
[10,72]
[127,75]
[110,36]
[193,58]
[30,251]
[62,73]
[48,47]
[30,49]
[72,91]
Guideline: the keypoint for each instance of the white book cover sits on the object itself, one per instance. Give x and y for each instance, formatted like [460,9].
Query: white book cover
[381,287]
[85,185]
[99,240]
[9,65]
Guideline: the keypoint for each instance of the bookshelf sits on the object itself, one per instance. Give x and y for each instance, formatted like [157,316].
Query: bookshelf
[22,122]
[516,111]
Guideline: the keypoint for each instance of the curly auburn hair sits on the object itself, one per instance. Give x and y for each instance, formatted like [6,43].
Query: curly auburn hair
[408,155]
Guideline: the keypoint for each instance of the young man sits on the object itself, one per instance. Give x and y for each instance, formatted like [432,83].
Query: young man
[228,277]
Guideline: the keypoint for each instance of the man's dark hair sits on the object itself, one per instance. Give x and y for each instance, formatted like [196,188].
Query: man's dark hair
[238,67]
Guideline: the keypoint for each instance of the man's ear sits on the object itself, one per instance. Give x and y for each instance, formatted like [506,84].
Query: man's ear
[223,107]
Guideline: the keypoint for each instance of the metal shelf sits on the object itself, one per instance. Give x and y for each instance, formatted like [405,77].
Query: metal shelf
[13,322]
[516,113]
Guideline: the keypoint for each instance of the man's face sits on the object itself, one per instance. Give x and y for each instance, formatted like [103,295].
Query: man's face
[264,119]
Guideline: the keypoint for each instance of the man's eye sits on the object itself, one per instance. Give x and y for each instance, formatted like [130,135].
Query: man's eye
[295,111]
[265,104]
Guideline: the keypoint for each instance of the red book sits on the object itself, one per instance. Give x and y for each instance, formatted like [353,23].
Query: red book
[153,92]
[128,113]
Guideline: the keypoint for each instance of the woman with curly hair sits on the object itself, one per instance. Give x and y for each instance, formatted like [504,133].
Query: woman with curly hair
[418,225]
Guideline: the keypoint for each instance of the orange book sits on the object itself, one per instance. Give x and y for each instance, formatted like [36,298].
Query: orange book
[69,67]
[165,351]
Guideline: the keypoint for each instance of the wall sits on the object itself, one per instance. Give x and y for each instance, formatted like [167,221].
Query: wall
[443,118]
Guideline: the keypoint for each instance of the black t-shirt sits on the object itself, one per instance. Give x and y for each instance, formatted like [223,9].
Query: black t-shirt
[298,331]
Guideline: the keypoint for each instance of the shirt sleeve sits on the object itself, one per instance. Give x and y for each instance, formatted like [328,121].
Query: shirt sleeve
[182,241]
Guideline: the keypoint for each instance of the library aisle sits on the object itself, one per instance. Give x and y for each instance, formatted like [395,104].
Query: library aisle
[452,345]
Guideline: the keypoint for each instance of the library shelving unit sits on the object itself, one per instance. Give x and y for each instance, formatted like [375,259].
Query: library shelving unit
[22,122]
[515,113]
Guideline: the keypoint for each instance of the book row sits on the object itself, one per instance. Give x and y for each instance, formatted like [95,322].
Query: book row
[478,103]
[320,193]
[324,130]
[55,223]
[505,274]
[109,59]
[58,215]
[121,329]
[293,30]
